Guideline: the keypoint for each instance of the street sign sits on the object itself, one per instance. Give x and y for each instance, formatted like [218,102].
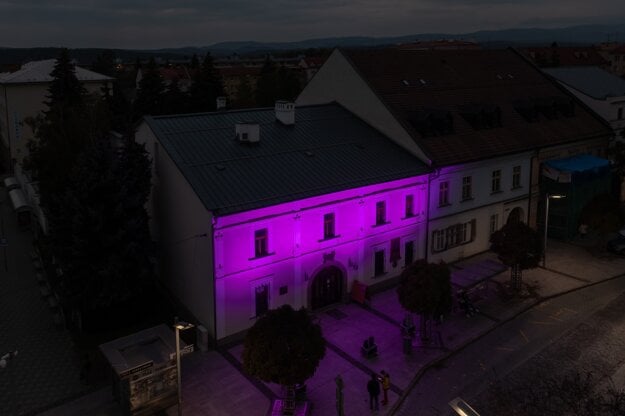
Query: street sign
[183,351]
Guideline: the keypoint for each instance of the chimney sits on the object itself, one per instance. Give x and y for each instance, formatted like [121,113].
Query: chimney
[285,112]
[247,132]
[221,103]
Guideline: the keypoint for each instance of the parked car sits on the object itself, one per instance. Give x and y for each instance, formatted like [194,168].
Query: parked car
[617,245]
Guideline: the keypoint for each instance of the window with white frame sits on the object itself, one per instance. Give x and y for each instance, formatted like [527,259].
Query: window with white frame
[516,177]
[467,188]
[495,184]
[328,226]
[494,223]
[438,239]
[380,213]
[408,253]
[261,299]
[443,194]
[453,236]
[409,208]
[261,246]
[395,251]
[378,262]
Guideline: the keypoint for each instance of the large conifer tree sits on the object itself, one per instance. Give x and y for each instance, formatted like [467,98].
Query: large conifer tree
[206,87]
[150,92]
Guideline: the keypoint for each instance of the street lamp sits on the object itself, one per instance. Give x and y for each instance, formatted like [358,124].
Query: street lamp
[549,196]
[462,408]
[179,326]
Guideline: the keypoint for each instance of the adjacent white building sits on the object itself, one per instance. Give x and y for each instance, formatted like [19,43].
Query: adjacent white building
[23,95]
[483,120]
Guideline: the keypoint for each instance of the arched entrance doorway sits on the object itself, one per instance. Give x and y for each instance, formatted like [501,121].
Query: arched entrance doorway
[326,288]
[516,215]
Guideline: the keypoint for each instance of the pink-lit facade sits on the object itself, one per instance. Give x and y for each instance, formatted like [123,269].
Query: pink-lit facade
[316,248]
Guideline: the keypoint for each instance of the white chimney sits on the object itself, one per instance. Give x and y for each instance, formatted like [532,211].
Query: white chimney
[285,112]
[221,103]
[248,132]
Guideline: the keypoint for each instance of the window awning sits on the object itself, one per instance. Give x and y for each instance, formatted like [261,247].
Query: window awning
[18,200]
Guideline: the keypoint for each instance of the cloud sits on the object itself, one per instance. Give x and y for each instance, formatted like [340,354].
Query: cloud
[161,23]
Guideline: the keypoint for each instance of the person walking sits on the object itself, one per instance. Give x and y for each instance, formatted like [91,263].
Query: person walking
[373,387]
[386,385]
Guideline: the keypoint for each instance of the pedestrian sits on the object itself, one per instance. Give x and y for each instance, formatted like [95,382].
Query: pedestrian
[583,230]
[373,387]
[386,384]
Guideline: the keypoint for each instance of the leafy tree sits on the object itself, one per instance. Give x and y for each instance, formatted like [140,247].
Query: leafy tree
[174,100]
[195,62]
[244,94]
[276,83]
[105,63]
[284,347]
[150,92]
[267,85]
[425,289]
[519,247]
[206,87]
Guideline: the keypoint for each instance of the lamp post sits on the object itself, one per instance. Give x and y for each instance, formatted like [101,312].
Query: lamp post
[462,408]
[179,326]
[549,196]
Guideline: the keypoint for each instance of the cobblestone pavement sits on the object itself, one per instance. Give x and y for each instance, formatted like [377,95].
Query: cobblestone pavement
[45,371]
[595,345]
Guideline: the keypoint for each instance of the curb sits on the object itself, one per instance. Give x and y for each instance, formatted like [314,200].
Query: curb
[393,410]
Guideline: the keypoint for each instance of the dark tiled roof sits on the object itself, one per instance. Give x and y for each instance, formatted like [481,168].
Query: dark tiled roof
[591,80]
[565,56]
[414,84]
[327,150]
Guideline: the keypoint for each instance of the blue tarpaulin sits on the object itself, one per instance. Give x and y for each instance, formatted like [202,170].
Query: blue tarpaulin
[578,163]
[581,167]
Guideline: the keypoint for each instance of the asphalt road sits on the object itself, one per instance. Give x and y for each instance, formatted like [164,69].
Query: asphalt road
[490,359]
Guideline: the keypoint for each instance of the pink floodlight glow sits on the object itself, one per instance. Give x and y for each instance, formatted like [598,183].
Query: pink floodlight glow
[298,255]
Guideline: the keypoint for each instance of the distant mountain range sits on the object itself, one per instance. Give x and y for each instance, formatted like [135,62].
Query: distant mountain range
[574,35]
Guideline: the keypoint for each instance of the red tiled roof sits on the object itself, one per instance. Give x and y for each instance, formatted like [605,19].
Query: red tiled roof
[412,82]
[566,56]
[170,74]
[239,71]
[315,61]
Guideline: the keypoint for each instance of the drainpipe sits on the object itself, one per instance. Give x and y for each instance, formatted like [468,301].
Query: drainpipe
[427,220]
[6,110]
